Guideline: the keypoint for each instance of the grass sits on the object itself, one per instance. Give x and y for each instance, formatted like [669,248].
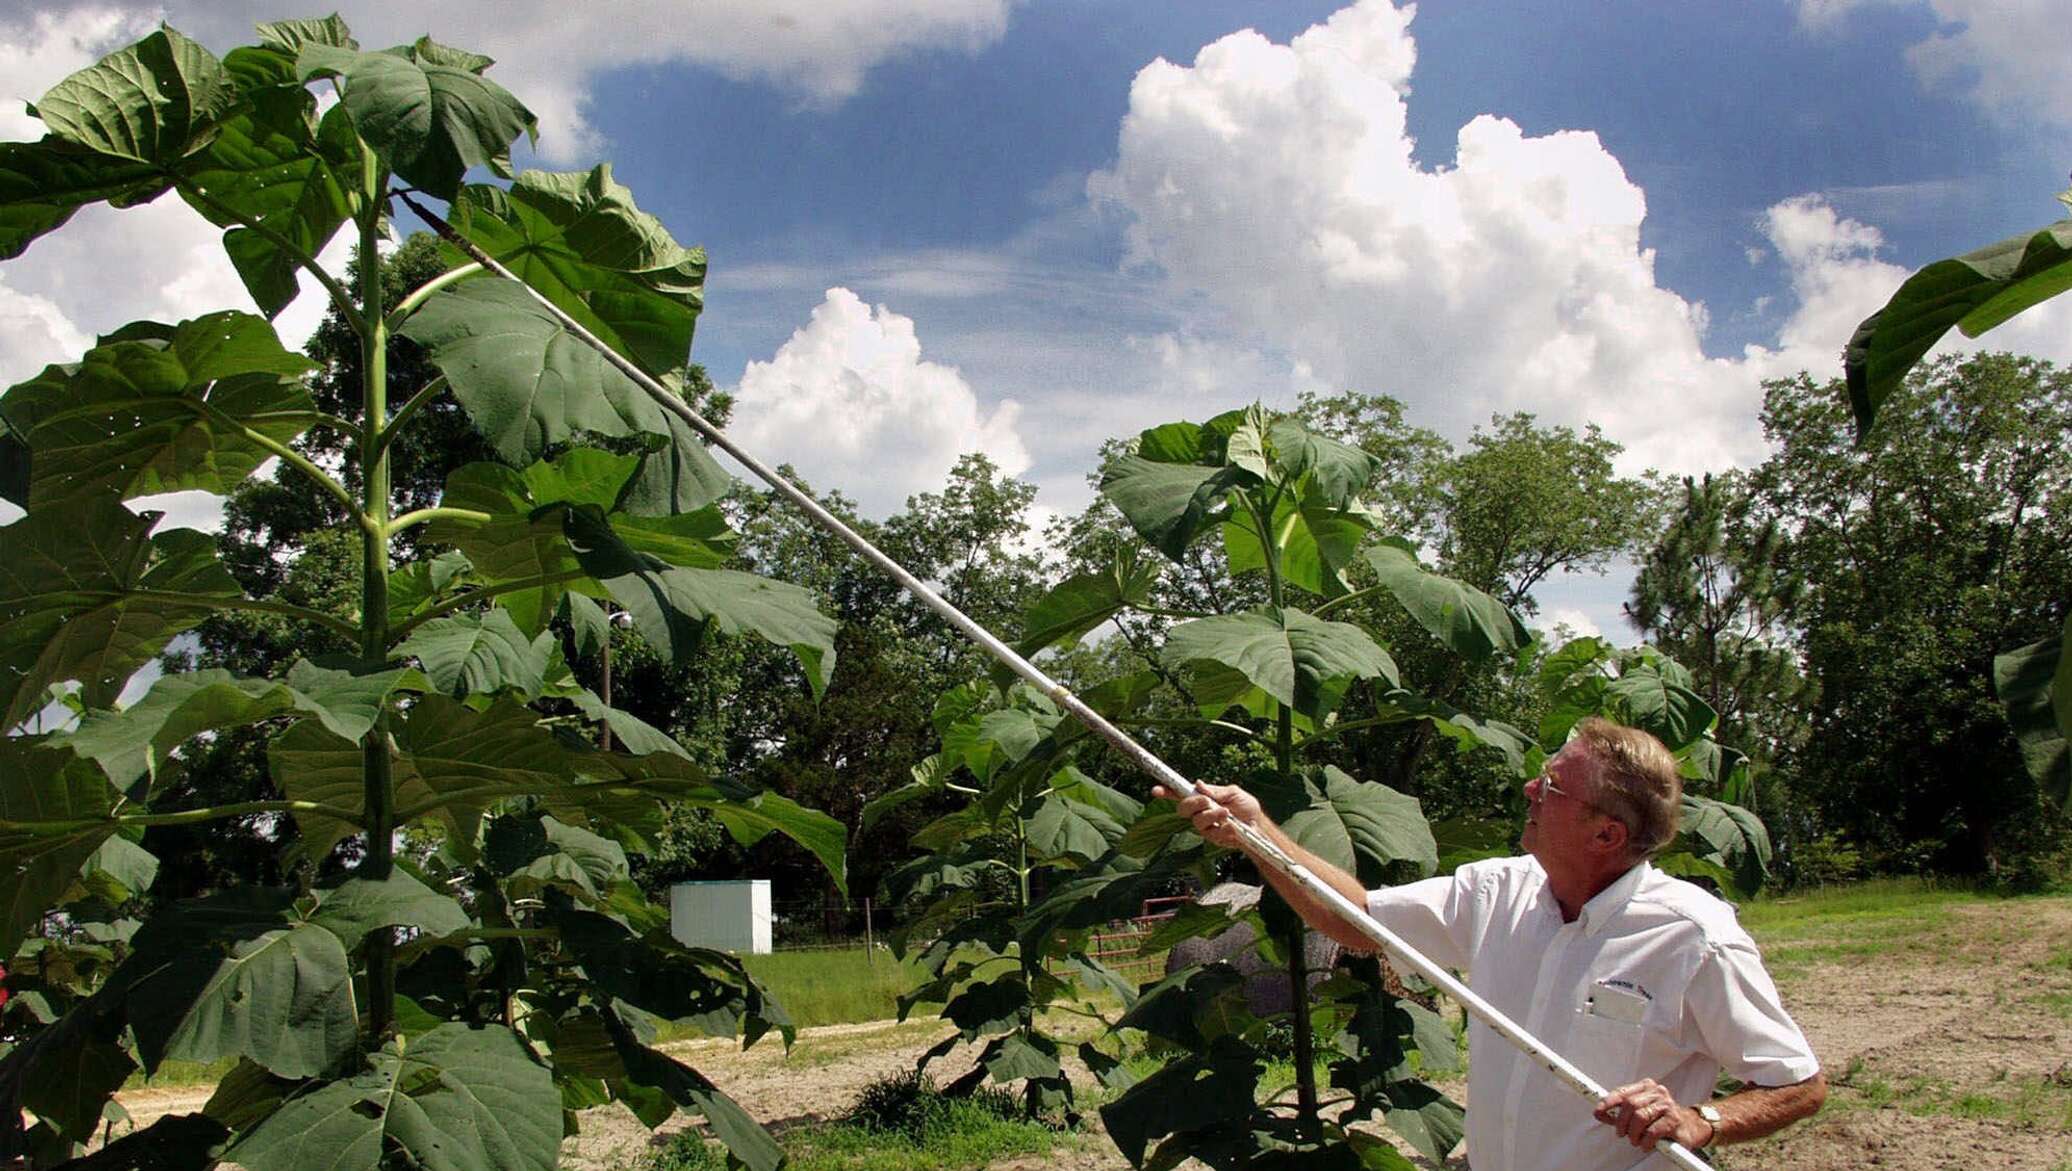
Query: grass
[2033,1102]
[835,987]
[1887,917]
[182,1073]
[898,1123]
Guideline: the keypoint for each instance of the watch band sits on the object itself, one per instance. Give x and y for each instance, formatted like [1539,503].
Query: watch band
[1711,1115]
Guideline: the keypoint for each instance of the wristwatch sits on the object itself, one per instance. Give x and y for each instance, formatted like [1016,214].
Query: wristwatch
[1710,1114]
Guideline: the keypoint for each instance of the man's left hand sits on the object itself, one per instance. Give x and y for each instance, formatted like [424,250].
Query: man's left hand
[1645,1113]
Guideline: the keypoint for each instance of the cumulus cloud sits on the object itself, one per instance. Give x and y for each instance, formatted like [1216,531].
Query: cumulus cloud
[2005,55]
[851,403]
[820,51]
[1277,183]
[1566,623]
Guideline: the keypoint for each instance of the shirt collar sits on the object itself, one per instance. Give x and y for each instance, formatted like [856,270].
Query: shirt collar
[1606,904]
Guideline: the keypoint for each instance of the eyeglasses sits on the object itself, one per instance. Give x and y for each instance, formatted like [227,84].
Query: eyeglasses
[1547,785]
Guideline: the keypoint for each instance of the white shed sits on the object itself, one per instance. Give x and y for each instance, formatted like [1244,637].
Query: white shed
[732,915]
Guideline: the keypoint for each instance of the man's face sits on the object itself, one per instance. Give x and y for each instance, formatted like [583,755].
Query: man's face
[1560,820]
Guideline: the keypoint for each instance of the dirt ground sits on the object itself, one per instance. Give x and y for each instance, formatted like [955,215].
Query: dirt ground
[1953,1054]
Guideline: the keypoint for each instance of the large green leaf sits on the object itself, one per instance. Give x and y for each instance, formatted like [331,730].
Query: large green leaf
[135,741]
[1974,292]
[1727,836]
[707,989]
[1358,827]
[749,814]
[173,1142]
[43,183]
[87,594]
[1197,1091]
[579,239]
[1466,731]
[188,410]
[744,1137]
[481,654]
[455,1099]
[357,906]
[428,112]
[529,384]
[1670,710]
[54,815]
[1062,828]
[156,101]
[289,36]
[1085,600]
[672,607]
[449,759]
[1337,471]
[536,852]
[925,778]
[1290,655]
[240,973]
[1169,504]
[522,535]
[632,733]
[1468,621]
[2025,679]
[1313,541]
[298,176]
[65,1073]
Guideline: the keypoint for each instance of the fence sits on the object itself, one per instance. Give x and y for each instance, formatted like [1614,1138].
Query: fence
[1119,945]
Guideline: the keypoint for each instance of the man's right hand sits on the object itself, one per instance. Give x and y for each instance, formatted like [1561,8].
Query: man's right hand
[1212,809]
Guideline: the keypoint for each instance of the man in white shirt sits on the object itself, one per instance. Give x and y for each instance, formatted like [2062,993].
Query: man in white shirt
[1644,981]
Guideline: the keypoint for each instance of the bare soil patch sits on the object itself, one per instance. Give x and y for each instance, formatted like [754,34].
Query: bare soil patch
[1957,1054]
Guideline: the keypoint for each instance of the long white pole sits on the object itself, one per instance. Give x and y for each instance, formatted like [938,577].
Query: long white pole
[1094,721]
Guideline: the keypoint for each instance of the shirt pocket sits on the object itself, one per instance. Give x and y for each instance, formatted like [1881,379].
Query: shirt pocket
[1606,1049]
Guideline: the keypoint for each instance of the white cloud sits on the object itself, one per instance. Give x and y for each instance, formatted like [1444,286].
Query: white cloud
[34,332]
[1570,623]
[851,403]
[1277,183]
[2008,56]
[44,48]
[820,51]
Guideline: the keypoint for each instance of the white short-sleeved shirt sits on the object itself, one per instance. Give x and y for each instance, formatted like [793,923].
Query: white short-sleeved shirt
[1655,978]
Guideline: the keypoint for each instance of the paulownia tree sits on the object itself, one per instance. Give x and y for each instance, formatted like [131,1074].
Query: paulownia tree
[453,1008]
[1270,681]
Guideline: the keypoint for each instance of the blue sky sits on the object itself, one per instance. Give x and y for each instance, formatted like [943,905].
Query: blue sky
[1022,228]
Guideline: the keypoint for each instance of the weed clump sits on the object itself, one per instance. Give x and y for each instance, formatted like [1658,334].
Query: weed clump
[911,1104]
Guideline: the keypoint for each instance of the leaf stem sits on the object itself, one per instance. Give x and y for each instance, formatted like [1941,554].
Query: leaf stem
[416,403]
[422,293]
[429,514]
[377,767]
[576,793]
[339,296]
[470,597]
[1163,612]
[1331,604]
[182,817]
[288,455]
[259,605]
[1188,722]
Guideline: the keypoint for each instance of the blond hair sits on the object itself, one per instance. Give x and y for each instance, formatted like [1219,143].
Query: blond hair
[1637,783]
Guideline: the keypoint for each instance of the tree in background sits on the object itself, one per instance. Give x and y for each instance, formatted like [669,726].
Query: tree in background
[1715,594]
[1940,540]
[1523,503]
